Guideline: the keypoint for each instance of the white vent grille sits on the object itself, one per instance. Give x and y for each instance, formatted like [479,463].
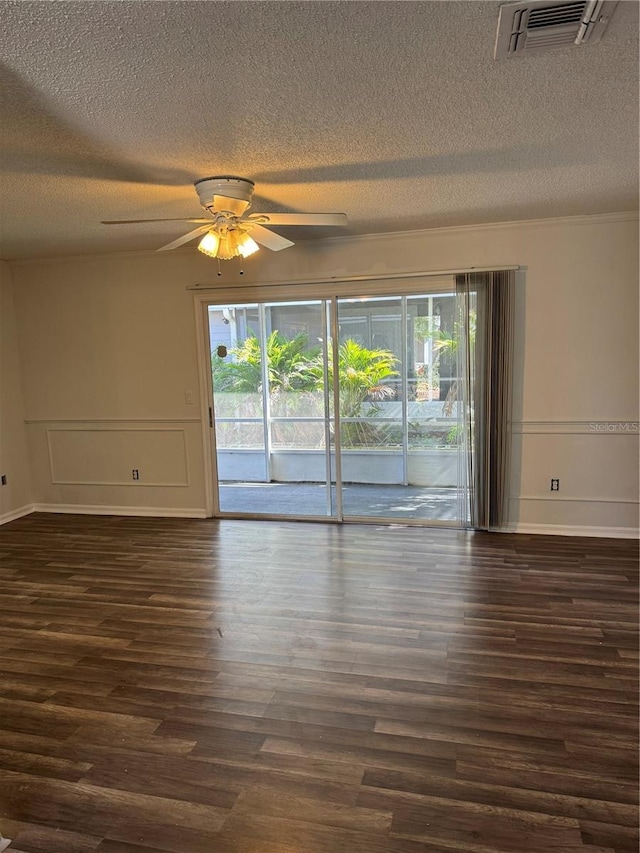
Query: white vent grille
[551,16]
[543,24]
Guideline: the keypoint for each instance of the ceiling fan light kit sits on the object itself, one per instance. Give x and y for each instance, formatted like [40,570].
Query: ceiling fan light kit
[231,231]
[227,244]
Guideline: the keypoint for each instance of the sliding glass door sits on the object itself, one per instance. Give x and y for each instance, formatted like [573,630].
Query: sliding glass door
[388,364]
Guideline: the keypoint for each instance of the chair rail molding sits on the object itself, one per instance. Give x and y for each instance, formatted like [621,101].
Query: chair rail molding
[595,426]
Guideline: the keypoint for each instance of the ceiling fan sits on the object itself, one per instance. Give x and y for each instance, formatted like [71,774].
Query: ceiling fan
[229,230]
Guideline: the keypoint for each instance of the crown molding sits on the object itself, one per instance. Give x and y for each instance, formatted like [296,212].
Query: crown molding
[92,257]
[581,219]
[558,221]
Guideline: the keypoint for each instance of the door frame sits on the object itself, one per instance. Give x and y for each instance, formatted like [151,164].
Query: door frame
[406,284]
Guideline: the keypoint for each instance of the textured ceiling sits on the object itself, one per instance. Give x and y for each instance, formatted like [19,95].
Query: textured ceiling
[393,112]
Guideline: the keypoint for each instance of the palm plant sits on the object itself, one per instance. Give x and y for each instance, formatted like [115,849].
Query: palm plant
[361,373]
[293,367]
[238,383]
[288,361]
[449,345]
[244,374]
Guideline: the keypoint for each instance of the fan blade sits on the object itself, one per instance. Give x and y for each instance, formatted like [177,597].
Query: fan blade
[267,238]
[237,206]
[134,221]
[185,238]
[302,218]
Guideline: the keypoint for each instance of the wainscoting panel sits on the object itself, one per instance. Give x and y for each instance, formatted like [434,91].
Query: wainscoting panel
[596,463]
[91,464]
[588,466]
[107,457]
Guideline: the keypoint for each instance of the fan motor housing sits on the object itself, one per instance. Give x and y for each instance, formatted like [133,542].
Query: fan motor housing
[230,186]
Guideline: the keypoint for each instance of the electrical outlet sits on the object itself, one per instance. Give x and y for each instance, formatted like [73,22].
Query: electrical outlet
[555,485]
[3,479]
[135,474]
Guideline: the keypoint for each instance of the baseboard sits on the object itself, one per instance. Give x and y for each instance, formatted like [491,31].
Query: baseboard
[17,513]
[572,530]
[99,509]
[198,512]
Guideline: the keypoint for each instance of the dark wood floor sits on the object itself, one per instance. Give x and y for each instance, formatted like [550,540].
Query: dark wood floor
[262,687]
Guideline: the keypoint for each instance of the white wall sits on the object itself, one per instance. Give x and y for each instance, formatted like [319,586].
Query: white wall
[108,345]
[15,497]
[108,357]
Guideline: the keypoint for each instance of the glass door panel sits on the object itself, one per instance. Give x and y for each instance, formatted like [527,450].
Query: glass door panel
[434,433]
[236,341]
[370,370]
[399,409]
[271,408]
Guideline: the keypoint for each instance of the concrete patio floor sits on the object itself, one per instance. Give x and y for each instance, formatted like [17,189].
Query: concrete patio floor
[310,499]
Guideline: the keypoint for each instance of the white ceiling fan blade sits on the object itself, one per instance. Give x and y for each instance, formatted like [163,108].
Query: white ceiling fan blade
[134,221]
[267,238]
[301,218]
[237,206]
[185,238]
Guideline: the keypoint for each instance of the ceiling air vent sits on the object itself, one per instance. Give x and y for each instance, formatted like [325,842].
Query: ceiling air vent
[542,25]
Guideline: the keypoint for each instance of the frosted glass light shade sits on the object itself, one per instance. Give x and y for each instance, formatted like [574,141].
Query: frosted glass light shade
[227,245]
[248,246]
[209,244]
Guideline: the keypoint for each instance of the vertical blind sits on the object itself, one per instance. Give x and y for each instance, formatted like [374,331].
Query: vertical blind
[485,316]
